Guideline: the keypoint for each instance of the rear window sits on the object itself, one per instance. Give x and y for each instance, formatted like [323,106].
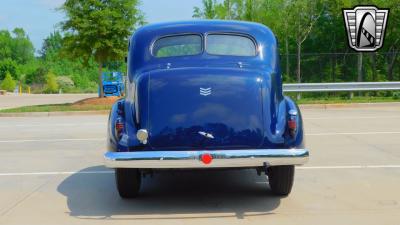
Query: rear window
[182,45]
[230,45]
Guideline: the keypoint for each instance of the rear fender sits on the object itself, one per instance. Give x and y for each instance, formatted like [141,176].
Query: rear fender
[297,140]
[127,137]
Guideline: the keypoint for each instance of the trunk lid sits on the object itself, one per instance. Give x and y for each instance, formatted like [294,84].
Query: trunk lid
[204,108]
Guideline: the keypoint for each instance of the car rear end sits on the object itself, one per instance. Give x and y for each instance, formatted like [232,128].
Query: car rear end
[206,101]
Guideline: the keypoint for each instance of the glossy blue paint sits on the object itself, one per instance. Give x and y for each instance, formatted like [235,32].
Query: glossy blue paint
[245,109]
[235,120]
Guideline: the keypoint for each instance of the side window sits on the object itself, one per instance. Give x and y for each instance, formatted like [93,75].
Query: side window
[182,45]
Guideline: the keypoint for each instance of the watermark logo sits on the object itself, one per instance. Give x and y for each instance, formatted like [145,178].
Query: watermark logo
[365,26]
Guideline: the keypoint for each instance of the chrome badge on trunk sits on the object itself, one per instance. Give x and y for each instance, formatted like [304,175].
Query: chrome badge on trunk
[205,91]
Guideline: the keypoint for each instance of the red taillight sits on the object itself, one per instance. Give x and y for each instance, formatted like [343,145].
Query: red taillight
[206,158]
[292,124]
[119,126]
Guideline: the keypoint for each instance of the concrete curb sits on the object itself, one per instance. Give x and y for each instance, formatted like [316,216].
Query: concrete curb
[48,114]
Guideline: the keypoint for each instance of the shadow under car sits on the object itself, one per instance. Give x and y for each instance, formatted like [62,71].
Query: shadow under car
[238,193]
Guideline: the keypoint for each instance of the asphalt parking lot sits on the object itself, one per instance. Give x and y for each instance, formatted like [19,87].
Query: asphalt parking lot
[51,173]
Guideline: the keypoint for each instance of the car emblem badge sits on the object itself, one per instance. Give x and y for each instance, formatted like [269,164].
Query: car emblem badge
[365,26]
[207,135]
[205,91]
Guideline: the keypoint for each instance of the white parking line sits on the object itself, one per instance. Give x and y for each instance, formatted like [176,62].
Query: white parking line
[55,173]
[55,125]
[351,117]
[348,167]
[352,133]
[112,172]
[53,140]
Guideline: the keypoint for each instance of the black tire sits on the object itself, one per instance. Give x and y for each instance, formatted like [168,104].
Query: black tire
[128,182]
[281,179]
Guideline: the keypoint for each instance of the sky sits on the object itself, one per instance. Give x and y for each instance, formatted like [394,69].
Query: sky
[39,17]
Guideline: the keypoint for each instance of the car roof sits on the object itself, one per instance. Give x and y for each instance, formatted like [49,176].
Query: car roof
[204,26]
[141,59]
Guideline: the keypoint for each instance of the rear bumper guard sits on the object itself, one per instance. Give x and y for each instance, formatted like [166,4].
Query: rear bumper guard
[193,159]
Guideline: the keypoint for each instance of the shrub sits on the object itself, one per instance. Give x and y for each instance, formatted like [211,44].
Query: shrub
[51,83]
[65,83]
[8,83]
[396,95]
[38,76]
[81,81]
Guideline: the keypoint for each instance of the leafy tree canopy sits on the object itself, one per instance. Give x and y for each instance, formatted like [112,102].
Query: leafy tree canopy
[312,37]
[16,51]
[99,28]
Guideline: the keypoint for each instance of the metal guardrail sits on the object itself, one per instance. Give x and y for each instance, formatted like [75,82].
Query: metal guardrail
[334,87]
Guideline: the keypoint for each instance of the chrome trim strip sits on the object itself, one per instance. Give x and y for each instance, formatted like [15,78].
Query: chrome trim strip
[191,159]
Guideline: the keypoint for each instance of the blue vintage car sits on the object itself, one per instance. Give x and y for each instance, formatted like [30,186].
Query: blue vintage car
[202,95]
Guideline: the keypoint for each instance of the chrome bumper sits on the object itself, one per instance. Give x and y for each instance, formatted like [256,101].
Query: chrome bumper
[192,159]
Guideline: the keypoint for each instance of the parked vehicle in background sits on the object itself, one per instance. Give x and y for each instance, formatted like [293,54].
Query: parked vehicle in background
[204,95]
[113,84]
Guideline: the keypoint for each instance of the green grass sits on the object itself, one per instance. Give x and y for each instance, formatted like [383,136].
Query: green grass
[72,107]
[56,108]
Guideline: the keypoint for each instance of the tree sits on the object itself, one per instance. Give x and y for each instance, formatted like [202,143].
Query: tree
[286,17]
[8,66]
[281,27]
[8,83]
[303,16]
[392,40]
[51,45]
[230,10]
[207,12]
[5,44]
[22,48]
[83,74]
[16,53]
[99,29]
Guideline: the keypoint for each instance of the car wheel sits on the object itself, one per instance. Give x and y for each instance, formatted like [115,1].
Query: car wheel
[281,179]
[128,182]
